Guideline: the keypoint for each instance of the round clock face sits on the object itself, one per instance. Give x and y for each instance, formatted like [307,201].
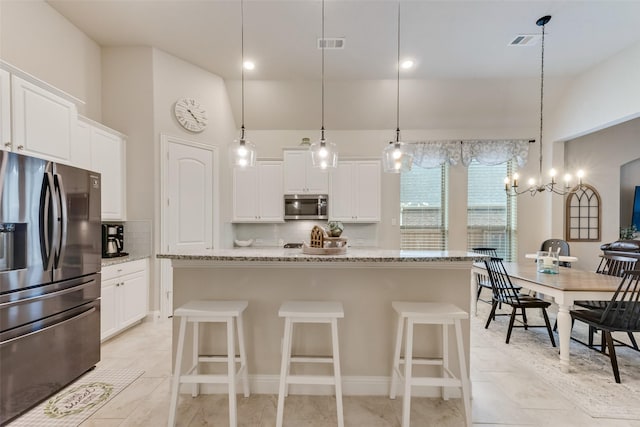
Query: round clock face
[190,114]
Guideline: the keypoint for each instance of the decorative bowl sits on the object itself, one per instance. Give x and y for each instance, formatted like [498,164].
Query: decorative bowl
[243,243]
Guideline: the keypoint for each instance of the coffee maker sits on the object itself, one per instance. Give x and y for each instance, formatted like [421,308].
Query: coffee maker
[113,241]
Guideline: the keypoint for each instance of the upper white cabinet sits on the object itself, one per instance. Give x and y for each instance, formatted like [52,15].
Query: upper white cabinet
[5,110]
[43,123]
[355,191]
[107,154]
[81,145]
[300,177]
[257,193]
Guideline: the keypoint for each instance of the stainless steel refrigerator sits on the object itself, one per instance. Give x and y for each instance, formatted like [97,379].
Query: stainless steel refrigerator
[50,260]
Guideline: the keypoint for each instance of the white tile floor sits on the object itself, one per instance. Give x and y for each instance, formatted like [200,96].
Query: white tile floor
[505,392]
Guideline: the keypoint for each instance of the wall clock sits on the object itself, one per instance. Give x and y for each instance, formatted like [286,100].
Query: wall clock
[190,114]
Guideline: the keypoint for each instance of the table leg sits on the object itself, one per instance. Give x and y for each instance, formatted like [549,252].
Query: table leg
[564,332]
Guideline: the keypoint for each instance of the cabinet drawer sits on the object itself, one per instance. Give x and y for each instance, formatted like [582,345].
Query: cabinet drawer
[117,270]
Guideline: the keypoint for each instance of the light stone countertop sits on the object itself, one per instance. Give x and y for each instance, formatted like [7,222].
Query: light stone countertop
[119,260]
[353,255]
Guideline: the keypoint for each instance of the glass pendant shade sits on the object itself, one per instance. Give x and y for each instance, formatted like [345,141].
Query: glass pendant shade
[397,157]
[324,154]
[242,153]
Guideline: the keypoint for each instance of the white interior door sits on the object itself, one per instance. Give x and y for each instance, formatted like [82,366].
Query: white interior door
[188,204]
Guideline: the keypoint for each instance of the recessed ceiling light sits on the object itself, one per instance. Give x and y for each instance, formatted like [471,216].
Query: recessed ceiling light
[406,64]
[249,65]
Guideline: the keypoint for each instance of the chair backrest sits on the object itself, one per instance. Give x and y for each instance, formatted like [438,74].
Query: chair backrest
[554,244]
[623,311]
[486,251]
[615,265]
[503,289]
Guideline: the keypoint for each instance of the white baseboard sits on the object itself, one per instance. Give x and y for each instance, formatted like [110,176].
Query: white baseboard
[351,386]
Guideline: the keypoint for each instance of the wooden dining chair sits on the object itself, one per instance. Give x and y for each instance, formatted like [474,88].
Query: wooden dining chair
[611,265]
[622,314]
[505,293]
[557,245]
[482,280]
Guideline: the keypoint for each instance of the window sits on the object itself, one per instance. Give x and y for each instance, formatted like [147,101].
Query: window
[423,205]
[491,215]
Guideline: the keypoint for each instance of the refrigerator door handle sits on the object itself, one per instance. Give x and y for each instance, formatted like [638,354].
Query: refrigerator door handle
[46,232]
[61,220]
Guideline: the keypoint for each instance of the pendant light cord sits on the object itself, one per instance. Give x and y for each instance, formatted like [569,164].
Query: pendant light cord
[398,81]
[541,102]
[323,42]
[242,68]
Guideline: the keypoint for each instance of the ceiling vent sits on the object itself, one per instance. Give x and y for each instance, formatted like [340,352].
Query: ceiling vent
[525,40]
[331,43]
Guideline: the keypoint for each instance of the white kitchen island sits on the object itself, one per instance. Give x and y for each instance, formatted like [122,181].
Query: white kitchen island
[366,281]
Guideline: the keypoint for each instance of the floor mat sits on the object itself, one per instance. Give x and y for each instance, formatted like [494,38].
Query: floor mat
[75,403]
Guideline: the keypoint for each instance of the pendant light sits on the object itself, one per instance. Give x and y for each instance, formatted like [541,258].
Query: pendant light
[323,154]
[242,152]
[397,156]
[534,187]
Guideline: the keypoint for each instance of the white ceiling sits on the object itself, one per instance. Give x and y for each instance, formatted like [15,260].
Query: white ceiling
[448,39]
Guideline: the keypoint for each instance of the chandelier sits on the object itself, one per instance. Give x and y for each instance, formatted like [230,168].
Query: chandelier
[242,152]
[511,184]
[397,156]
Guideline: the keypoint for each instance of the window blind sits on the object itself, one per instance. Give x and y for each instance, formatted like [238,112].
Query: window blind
[491,215]
[423,208]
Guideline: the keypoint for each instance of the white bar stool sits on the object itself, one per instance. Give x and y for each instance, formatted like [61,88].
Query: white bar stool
[309,312]
[201,311]
[428,313]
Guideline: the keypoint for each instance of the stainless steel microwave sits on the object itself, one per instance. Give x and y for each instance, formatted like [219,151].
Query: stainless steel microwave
[306,206]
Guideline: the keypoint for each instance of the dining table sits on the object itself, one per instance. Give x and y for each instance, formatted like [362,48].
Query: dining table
[565,287]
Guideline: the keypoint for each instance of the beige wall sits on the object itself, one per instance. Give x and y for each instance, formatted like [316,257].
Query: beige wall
[39,41]
[604,153]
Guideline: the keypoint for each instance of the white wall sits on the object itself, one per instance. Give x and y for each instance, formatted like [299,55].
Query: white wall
[604,96]
[38,40]
[173,79]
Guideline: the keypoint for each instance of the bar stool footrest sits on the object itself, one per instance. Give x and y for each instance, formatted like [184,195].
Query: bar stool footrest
[311,379]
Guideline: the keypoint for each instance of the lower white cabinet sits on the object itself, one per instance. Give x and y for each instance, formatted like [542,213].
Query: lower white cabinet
[125,296]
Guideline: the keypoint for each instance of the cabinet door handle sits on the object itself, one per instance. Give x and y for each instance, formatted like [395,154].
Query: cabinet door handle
[20,147]
[7,144]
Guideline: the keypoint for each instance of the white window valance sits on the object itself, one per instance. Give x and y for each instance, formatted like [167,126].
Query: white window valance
[430,154]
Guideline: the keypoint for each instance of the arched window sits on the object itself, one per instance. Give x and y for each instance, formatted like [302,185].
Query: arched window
[582,214]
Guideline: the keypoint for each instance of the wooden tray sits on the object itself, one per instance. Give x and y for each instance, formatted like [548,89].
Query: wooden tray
[306,249]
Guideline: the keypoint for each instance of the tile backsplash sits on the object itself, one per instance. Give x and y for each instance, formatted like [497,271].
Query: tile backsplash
[363,235]
[137,238]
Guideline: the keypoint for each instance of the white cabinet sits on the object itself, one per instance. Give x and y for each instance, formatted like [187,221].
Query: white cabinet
[300,177]
[257,193]
[124,298]
[43,123]
[5,110]
[81,146]
[101,149]
[355,191]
